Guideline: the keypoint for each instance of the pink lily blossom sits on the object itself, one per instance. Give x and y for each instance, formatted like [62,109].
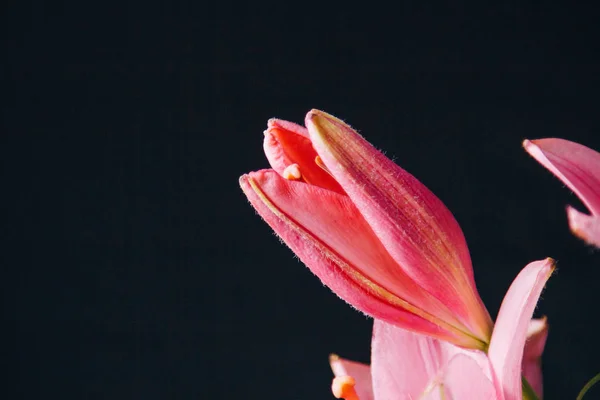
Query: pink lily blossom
[409,366]
[368,229]
[578,167]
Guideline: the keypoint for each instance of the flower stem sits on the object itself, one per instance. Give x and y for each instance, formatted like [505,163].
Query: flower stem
[588,386]
[528,392]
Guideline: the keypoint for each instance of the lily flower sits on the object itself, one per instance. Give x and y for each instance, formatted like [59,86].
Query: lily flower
[409,366]
[578,167]
[368,229]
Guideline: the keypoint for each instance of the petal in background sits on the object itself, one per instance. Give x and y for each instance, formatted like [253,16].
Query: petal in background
[537,334]
[587,227]
[578,167]
[575,165]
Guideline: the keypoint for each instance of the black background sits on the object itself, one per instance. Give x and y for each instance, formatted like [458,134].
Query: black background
[134,266]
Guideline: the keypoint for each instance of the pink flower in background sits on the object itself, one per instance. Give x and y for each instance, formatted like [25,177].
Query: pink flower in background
[368,229]
[406,366]
[578,167]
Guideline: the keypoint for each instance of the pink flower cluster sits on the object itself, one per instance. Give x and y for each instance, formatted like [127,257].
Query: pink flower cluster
[389,247]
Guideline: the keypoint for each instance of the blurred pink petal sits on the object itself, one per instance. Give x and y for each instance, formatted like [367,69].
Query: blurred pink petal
[587,227]
[578,167]
[537,334]
[508,340]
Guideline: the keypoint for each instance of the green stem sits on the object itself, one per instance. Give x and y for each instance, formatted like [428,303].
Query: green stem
[588,386]
[528,392]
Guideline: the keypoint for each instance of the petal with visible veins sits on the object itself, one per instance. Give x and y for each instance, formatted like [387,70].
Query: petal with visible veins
[415,227]
[403,363]
[332,238]
[463,378]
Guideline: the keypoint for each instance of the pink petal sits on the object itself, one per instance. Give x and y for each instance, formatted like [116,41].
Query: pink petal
[285,144]
[404,362]
[537,333]
[337,244]
[288,126]
[587,227]
[508,340]
[463,378]
[575,165]
[415,227]
[359,371]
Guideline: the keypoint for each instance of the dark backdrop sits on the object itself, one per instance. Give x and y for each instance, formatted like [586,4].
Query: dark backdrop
[134,268]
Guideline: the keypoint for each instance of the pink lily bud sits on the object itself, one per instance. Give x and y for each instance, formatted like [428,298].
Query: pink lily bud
[578,167]
[368,229]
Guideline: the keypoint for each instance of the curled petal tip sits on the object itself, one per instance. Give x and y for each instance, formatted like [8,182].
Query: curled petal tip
[531,147]
[550,265]
[315,113]
[534,150]
[323,125]
[539,324]
[311,115]
[586,227]
[529,143]
[243,180]
[577,166]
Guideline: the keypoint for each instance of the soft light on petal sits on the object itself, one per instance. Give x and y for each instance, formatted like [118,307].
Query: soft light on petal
[403,362]
[510,333]
[463,378]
